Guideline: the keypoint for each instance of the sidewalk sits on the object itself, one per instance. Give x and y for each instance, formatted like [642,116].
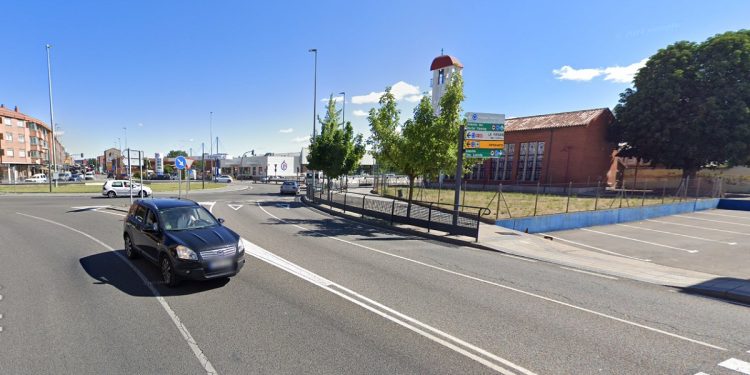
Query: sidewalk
[508,241]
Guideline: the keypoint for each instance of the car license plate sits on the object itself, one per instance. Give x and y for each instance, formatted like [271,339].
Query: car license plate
[220,263]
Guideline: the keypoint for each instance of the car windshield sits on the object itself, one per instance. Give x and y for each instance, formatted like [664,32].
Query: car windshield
[183,218]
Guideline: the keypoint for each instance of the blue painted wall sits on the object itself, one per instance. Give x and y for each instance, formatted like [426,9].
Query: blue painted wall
[548,223]
[735,204]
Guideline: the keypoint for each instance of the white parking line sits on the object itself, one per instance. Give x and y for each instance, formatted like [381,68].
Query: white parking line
[207,366]
[698,227]
[590,273]
[713,221]
[595,248]
[530,294]
[736,365]
[724,215]
[677,234]
[642,241]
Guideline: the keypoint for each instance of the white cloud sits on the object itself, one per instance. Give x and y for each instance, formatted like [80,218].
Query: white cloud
[618,74]
[360,113]
[338,99]
[568,73]
[289,130]
[301,139]
[623,74]
[400,90]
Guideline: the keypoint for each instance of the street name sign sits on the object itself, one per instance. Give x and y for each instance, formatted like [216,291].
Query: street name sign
[485,135]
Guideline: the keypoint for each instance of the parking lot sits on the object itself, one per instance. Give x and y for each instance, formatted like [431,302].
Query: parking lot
[712,241]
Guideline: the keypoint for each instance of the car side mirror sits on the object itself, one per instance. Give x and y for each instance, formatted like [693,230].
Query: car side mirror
[220,220]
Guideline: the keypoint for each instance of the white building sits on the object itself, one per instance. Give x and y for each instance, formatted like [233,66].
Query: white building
[270,165]
[443,68]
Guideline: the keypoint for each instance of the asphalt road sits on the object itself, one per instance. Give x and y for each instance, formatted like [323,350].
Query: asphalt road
[321,294]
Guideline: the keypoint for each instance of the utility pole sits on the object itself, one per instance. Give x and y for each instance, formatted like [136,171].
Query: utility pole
[216,165]
[211,133]
[203,164]
[51,158]
[459,174]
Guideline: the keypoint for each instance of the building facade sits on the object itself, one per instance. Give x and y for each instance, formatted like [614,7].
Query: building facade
[559,148]
[26,145]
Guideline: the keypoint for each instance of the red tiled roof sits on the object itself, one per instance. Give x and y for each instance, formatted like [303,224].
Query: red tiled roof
[443,61]
[555,120]
[6,112]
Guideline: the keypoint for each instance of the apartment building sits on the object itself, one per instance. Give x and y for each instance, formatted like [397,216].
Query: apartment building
[25,146]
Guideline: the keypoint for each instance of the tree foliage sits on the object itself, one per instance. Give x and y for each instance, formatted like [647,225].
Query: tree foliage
[176,153]
[426,144]
[337,151]
[689,107]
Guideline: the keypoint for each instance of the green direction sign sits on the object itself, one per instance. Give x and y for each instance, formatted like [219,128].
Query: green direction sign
[477,126]
[483,153]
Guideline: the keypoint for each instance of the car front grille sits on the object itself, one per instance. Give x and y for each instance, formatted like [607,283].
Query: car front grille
[218,253]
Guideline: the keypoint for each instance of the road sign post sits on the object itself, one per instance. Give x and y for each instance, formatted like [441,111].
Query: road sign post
[180,163]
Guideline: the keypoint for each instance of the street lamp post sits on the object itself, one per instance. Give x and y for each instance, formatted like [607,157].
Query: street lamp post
[51,120]
[343,110]
[315,105]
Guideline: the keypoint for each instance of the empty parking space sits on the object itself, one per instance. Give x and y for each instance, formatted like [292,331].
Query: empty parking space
[713,241]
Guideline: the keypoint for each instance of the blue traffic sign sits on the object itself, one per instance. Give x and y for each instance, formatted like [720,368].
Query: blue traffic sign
[180,162]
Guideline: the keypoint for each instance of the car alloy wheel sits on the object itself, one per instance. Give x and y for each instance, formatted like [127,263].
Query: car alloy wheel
[167,272]
[111,194]
[129,249]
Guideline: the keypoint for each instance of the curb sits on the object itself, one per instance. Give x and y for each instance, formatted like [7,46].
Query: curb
[733,290]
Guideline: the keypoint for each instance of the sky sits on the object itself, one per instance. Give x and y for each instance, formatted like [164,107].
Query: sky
[152,72]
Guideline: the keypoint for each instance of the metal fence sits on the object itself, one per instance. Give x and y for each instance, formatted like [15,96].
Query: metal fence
[429,215]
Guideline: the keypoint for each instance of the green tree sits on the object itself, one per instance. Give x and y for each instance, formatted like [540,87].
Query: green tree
[337,150]
[689,106]
[176,153]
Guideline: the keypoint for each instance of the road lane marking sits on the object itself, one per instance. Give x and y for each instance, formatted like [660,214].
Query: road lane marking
[595,248]
[701,373]
[725,215]
[697,227]
[207,366]
[736,365]
[460,346]
[713,221]
[209,204]
[235,206]
[642,241]
[677,234]
[530,294]
[589,273]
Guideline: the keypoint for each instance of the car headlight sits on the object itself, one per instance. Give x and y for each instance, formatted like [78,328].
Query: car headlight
[183,252]
[240,246]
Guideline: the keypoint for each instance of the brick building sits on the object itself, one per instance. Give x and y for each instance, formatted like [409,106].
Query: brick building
[555,148]
[25,144]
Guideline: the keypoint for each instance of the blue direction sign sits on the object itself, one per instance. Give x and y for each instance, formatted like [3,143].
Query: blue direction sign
[180,162]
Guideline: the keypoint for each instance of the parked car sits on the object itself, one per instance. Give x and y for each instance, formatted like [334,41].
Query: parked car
[223,178]
[289,187]
[76,178]
[115,188]
[89,176]
[184,239]
[161,177]
[37,178]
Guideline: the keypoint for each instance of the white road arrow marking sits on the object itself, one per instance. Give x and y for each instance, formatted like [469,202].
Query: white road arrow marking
[235,206]
[209,204]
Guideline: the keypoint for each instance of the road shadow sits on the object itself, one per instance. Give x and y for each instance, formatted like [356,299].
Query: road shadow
[107,268]
[726,289]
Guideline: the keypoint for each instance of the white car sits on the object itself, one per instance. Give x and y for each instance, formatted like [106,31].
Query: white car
[223,178]
[115,188]
[289,187]
[37,178]
[89,176]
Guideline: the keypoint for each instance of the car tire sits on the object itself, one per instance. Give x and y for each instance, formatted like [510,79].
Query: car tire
[130,250]
[111,194]
[168,276]
[142,194]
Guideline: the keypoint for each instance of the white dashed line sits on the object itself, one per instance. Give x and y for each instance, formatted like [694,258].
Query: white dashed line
[642,241]
[530,294]
[207,366]
[736,365]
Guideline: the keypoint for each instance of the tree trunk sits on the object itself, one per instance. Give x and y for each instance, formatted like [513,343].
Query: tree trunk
[411,192]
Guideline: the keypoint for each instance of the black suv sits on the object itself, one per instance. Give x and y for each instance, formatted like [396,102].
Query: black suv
[184,239]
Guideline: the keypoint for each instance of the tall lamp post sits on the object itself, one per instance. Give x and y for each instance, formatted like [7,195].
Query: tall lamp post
[343,110]
[315,104]
[53,162]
